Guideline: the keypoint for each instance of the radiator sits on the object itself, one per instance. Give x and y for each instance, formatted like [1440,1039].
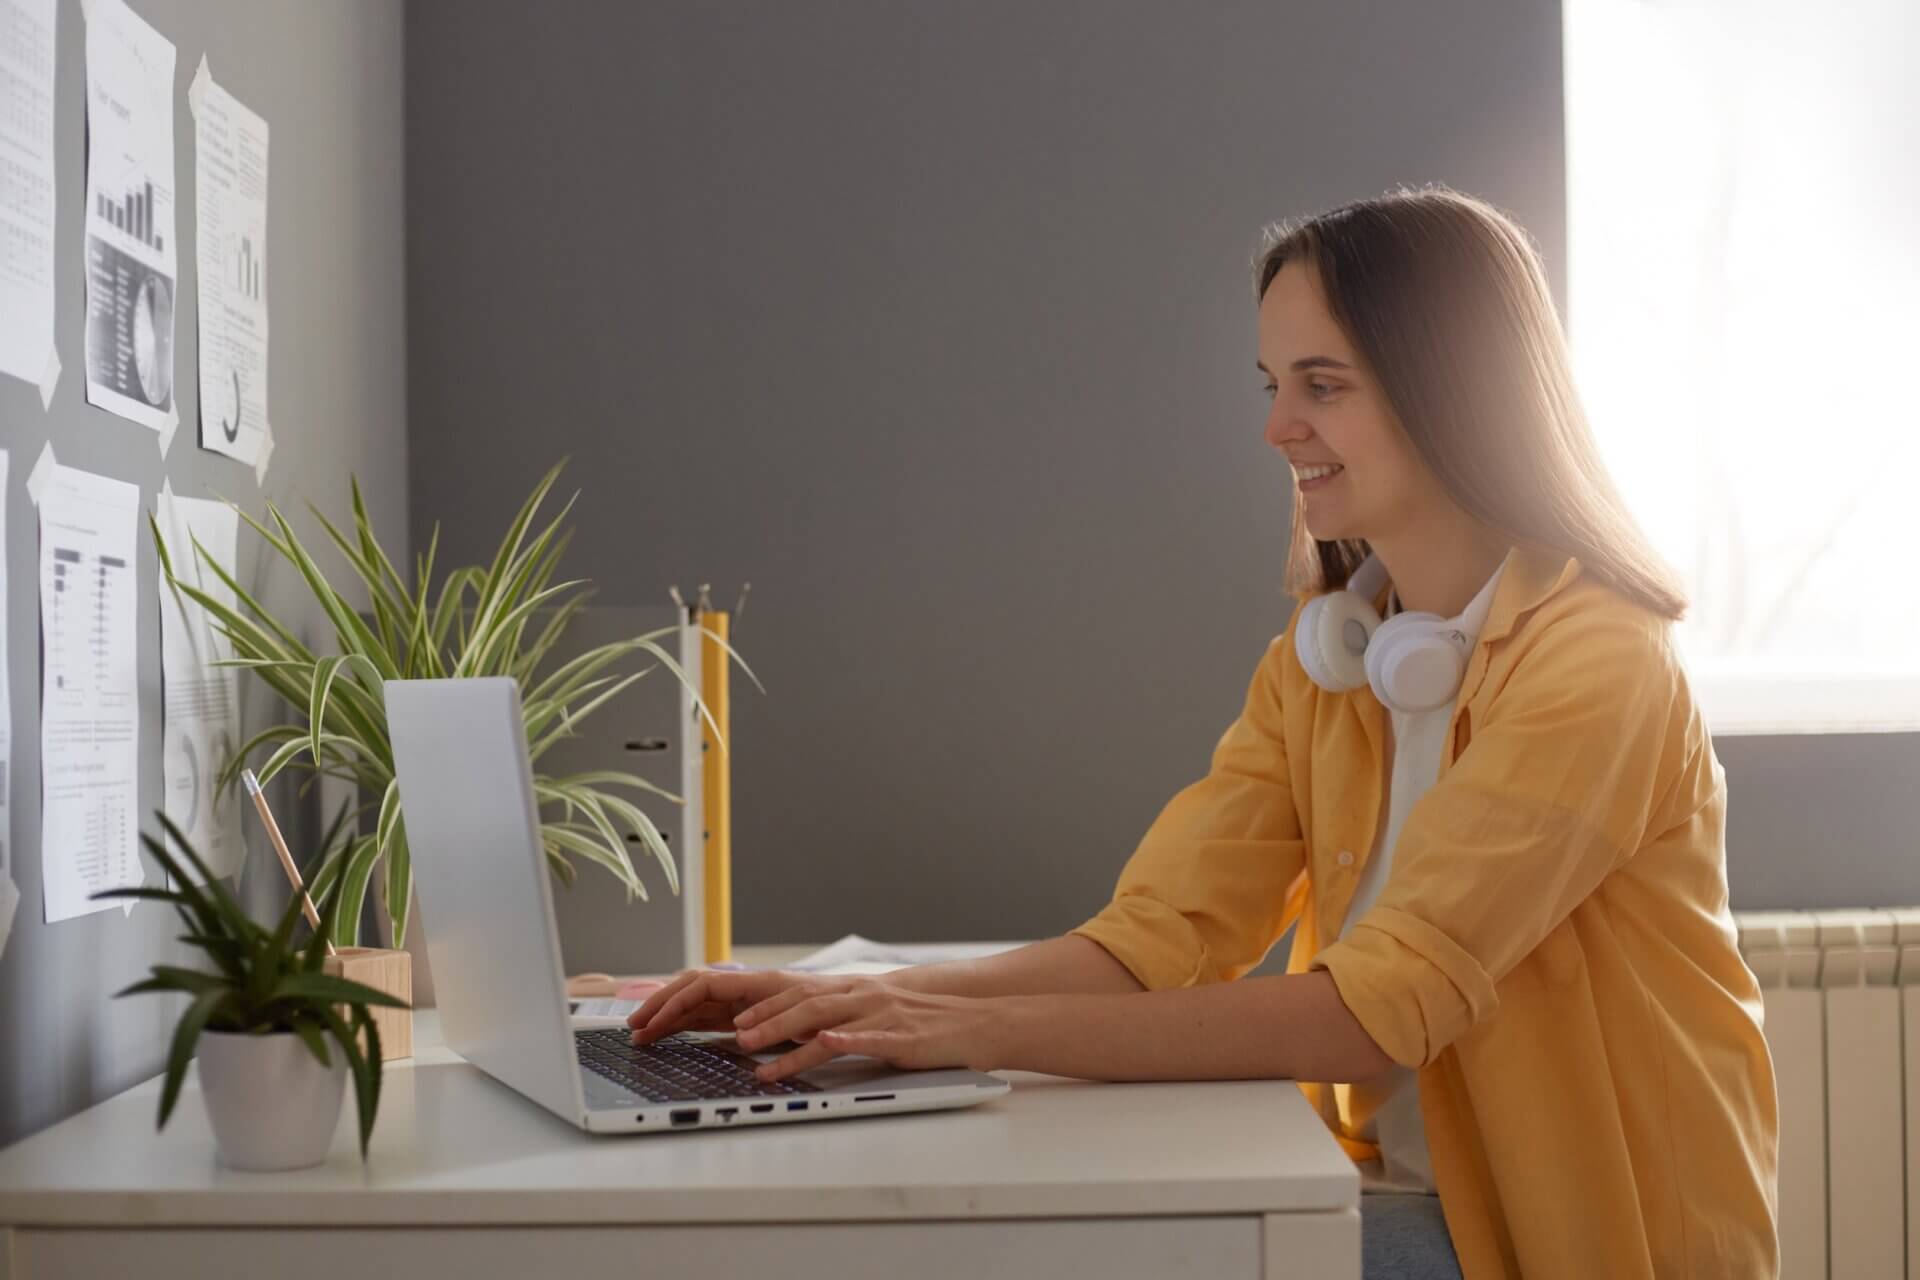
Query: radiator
[1842,994]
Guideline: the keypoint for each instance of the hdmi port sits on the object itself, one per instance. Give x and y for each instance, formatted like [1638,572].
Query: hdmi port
[760,1108]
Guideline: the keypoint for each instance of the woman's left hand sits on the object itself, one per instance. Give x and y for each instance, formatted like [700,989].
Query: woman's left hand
[904,1029]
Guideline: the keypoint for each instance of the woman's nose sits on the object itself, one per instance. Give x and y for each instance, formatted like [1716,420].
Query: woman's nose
[1283,430]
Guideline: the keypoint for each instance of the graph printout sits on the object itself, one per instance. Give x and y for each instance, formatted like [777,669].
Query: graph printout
[130,250]
[230,170]
[89,695]
[200,719]
[26,191]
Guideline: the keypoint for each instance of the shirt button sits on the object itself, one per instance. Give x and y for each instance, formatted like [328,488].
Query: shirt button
[1346,858]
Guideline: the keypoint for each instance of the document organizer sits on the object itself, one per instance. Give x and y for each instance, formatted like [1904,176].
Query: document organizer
[654,730]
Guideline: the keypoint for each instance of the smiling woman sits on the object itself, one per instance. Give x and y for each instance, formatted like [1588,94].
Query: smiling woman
[1470,771]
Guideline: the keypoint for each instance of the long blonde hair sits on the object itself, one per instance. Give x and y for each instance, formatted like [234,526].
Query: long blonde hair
[1444,298]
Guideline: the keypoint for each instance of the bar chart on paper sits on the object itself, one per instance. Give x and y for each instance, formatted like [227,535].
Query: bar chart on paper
[132,214]
[89,697]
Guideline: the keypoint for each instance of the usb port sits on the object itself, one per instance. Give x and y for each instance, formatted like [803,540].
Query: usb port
[796,1106]
[761,1108]
[690,1115]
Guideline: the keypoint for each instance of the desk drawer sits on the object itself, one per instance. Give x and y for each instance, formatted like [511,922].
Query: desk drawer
[1007,1249]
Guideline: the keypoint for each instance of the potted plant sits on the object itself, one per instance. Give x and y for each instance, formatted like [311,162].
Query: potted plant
[261,1016]
[503,618]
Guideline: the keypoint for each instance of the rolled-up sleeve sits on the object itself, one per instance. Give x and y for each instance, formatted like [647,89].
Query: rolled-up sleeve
[1206,893]
[1552,794]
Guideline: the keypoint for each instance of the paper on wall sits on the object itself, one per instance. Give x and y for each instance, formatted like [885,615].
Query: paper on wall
[230,170]
[27,29]
[200,717]
[9,892]
[130,252]
[89,694]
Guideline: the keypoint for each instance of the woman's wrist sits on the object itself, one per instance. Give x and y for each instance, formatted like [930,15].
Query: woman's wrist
[1009,1029]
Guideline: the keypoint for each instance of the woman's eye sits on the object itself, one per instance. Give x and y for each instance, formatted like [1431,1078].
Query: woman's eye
[1270,390]
[1321,388]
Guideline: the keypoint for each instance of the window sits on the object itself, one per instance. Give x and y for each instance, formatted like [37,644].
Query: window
[1744,313]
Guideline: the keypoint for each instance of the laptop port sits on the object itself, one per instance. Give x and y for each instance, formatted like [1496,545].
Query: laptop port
[875,1097]
[796,1106]
[761,1108]
[726,1113]
[690,1115]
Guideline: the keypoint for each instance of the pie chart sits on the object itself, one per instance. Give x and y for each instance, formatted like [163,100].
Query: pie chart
[153,339]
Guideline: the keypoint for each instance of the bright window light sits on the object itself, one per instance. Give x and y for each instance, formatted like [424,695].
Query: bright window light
[1744,312]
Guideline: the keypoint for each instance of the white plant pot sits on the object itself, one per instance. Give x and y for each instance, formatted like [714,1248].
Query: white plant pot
[272,1105]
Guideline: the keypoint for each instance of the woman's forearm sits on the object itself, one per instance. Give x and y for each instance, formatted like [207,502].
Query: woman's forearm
[1067,964]
[1293,1026]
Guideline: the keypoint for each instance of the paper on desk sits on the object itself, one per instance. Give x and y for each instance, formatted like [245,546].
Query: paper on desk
[855,954]
[604,1009]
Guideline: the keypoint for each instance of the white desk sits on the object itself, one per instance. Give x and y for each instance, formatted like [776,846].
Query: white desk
[466,1178]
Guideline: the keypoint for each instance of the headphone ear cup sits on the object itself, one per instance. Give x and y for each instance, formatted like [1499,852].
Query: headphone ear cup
[1332,639]
[1411,664]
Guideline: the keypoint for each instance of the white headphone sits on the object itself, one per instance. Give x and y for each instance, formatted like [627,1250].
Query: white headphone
[1413,660]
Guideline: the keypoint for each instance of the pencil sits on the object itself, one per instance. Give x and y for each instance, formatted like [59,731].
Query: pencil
[280,847]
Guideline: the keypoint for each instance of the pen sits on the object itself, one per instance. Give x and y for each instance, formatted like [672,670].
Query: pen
[280,847]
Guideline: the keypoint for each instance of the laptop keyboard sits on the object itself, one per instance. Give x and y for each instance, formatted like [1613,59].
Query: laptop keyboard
[674,1070]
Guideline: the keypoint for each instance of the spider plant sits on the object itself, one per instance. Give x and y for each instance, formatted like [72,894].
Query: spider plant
[259,983]
[499,619]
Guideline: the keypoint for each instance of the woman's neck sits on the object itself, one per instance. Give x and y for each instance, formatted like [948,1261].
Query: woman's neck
[1441,570]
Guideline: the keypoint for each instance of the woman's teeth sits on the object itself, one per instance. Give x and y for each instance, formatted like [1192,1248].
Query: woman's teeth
[1314,473]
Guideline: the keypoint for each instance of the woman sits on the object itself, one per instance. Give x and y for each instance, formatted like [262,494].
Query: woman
[1514,993]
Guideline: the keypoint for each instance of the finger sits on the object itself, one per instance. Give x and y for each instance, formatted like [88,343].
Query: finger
[801,1059]
[776,1003]
[808,1015]
[652,1004]
[707,986]
[896,1048]
[671,1016]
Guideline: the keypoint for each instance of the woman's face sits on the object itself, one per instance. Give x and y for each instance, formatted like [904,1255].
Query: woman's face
[1356,474]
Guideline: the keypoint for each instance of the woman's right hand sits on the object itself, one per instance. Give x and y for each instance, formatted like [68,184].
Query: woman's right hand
[711,999]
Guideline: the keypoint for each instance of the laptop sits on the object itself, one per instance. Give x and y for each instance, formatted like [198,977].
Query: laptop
[472,827]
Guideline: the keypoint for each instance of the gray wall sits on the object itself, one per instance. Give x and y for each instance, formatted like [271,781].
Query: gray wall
[327,79]
[932,321]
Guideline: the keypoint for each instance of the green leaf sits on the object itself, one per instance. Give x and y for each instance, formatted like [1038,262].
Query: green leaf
[185,1034]
[309,1033]
[334,990]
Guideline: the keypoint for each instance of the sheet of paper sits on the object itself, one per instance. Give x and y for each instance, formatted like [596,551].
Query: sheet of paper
[854,954]
[89,695]
[230,168]
[200,703]
[130,251]
[27,30]
[9,892]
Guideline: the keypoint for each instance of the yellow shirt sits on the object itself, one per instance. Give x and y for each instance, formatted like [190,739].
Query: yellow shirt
[1552,952]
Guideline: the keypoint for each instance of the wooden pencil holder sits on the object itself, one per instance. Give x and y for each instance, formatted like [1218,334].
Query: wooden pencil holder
[384,970]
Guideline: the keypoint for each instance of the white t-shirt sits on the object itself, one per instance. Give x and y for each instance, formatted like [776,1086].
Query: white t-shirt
[1386,1110]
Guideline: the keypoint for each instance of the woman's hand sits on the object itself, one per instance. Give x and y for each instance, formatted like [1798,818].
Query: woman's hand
[828,1016]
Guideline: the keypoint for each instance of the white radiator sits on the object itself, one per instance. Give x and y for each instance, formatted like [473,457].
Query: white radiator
[1842,992]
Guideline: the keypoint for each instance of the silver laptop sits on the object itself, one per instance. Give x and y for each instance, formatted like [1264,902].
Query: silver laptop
[460,753]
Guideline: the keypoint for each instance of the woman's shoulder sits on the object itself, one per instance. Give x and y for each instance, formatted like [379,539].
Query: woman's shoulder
[1595,641]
